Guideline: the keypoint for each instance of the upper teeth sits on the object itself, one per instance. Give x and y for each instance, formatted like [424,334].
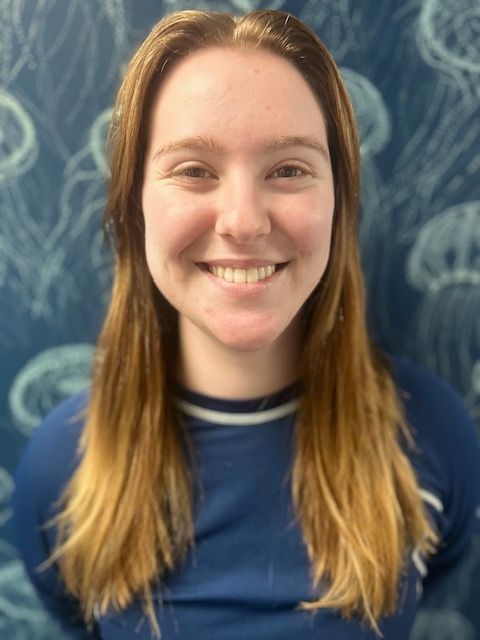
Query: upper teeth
[242,276]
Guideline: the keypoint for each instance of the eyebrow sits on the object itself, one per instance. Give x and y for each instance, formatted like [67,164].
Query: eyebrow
[201,143]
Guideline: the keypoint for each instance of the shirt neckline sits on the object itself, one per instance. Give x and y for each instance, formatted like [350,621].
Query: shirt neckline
[252,411]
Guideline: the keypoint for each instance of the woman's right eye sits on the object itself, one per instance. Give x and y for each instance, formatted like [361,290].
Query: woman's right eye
[195,172]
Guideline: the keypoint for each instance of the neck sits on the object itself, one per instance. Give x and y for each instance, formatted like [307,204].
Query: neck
[210,368]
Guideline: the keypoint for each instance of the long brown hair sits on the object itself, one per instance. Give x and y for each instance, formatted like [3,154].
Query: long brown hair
[127,510]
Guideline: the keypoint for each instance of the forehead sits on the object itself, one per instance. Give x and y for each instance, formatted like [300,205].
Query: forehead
[237,96]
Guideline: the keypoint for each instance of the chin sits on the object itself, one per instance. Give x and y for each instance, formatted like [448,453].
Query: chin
[248,339]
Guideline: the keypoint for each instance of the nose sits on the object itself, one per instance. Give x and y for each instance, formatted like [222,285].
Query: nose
[242,211]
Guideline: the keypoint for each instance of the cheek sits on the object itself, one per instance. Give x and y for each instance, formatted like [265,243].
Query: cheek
[310,227]
[171,223]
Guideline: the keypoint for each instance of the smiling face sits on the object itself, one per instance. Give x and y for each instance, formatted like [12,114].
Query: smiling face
[237,198]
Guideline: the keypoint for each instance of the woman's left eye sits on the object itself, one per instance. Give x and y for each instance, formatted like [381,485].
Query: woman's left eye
[288,172]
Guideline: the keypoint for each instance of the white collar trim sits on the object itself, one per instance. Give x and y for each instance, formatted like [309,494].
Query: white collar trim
[224,417]
[431,499]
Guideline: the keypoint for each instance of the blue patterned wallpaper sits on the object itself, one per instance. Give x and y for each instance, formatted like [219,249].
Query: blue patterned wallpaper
[413,71]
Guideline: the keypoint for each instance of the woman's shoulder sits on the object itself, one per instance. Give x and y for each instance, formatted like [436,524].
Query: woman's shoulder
[50,455]
[445,455]
[435,411]
[445,436]
[56,438]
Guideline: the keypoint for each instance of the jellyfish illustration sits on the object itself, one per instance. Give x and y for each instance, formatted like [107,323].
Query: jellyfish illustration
[45,263]
[45,380]
[64,59]
[447,39]
[18,139]
[83,193]
[473,397]
[22,617]
[6,488]
[442,624]
[468,574]
[374,125]
[444,264]
[97,141]
[373,117]
[3,263]
[102,262]
[18,153]
[230,6]
[63,45]
[333,19]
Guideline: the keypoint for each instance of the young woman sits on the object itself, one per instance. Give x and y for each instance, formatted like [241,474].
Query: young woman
[246,464]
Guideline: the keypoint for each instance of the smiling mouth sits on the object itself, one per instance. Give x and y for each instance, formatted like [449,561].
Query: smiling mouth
[238,275]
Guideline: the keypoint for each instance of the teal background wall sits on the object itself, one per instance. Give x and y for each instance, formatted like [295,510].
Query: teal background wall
[413,70]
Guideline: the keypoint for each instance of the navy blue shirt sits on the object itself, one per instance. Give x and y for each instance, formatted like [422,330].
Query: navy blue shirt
[249,568]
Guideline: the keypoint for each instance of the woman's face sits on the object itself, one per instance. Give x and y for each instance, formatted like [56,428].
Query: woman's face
[237,197]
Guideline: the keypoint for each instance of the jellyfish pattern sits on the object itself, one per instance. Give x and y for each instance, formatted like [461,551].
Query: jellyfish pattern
[413,73]
[6,488]
[442,624]
[21,615]
[51,376]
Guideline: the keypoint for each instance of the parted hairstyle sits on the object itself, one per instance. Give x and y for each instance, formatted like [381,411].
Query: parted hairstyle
[126,514]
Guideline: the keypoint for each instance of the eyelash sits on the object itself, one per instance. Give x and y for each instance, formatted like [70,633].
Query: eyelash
[192,170]
[290,167]
[300,172]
